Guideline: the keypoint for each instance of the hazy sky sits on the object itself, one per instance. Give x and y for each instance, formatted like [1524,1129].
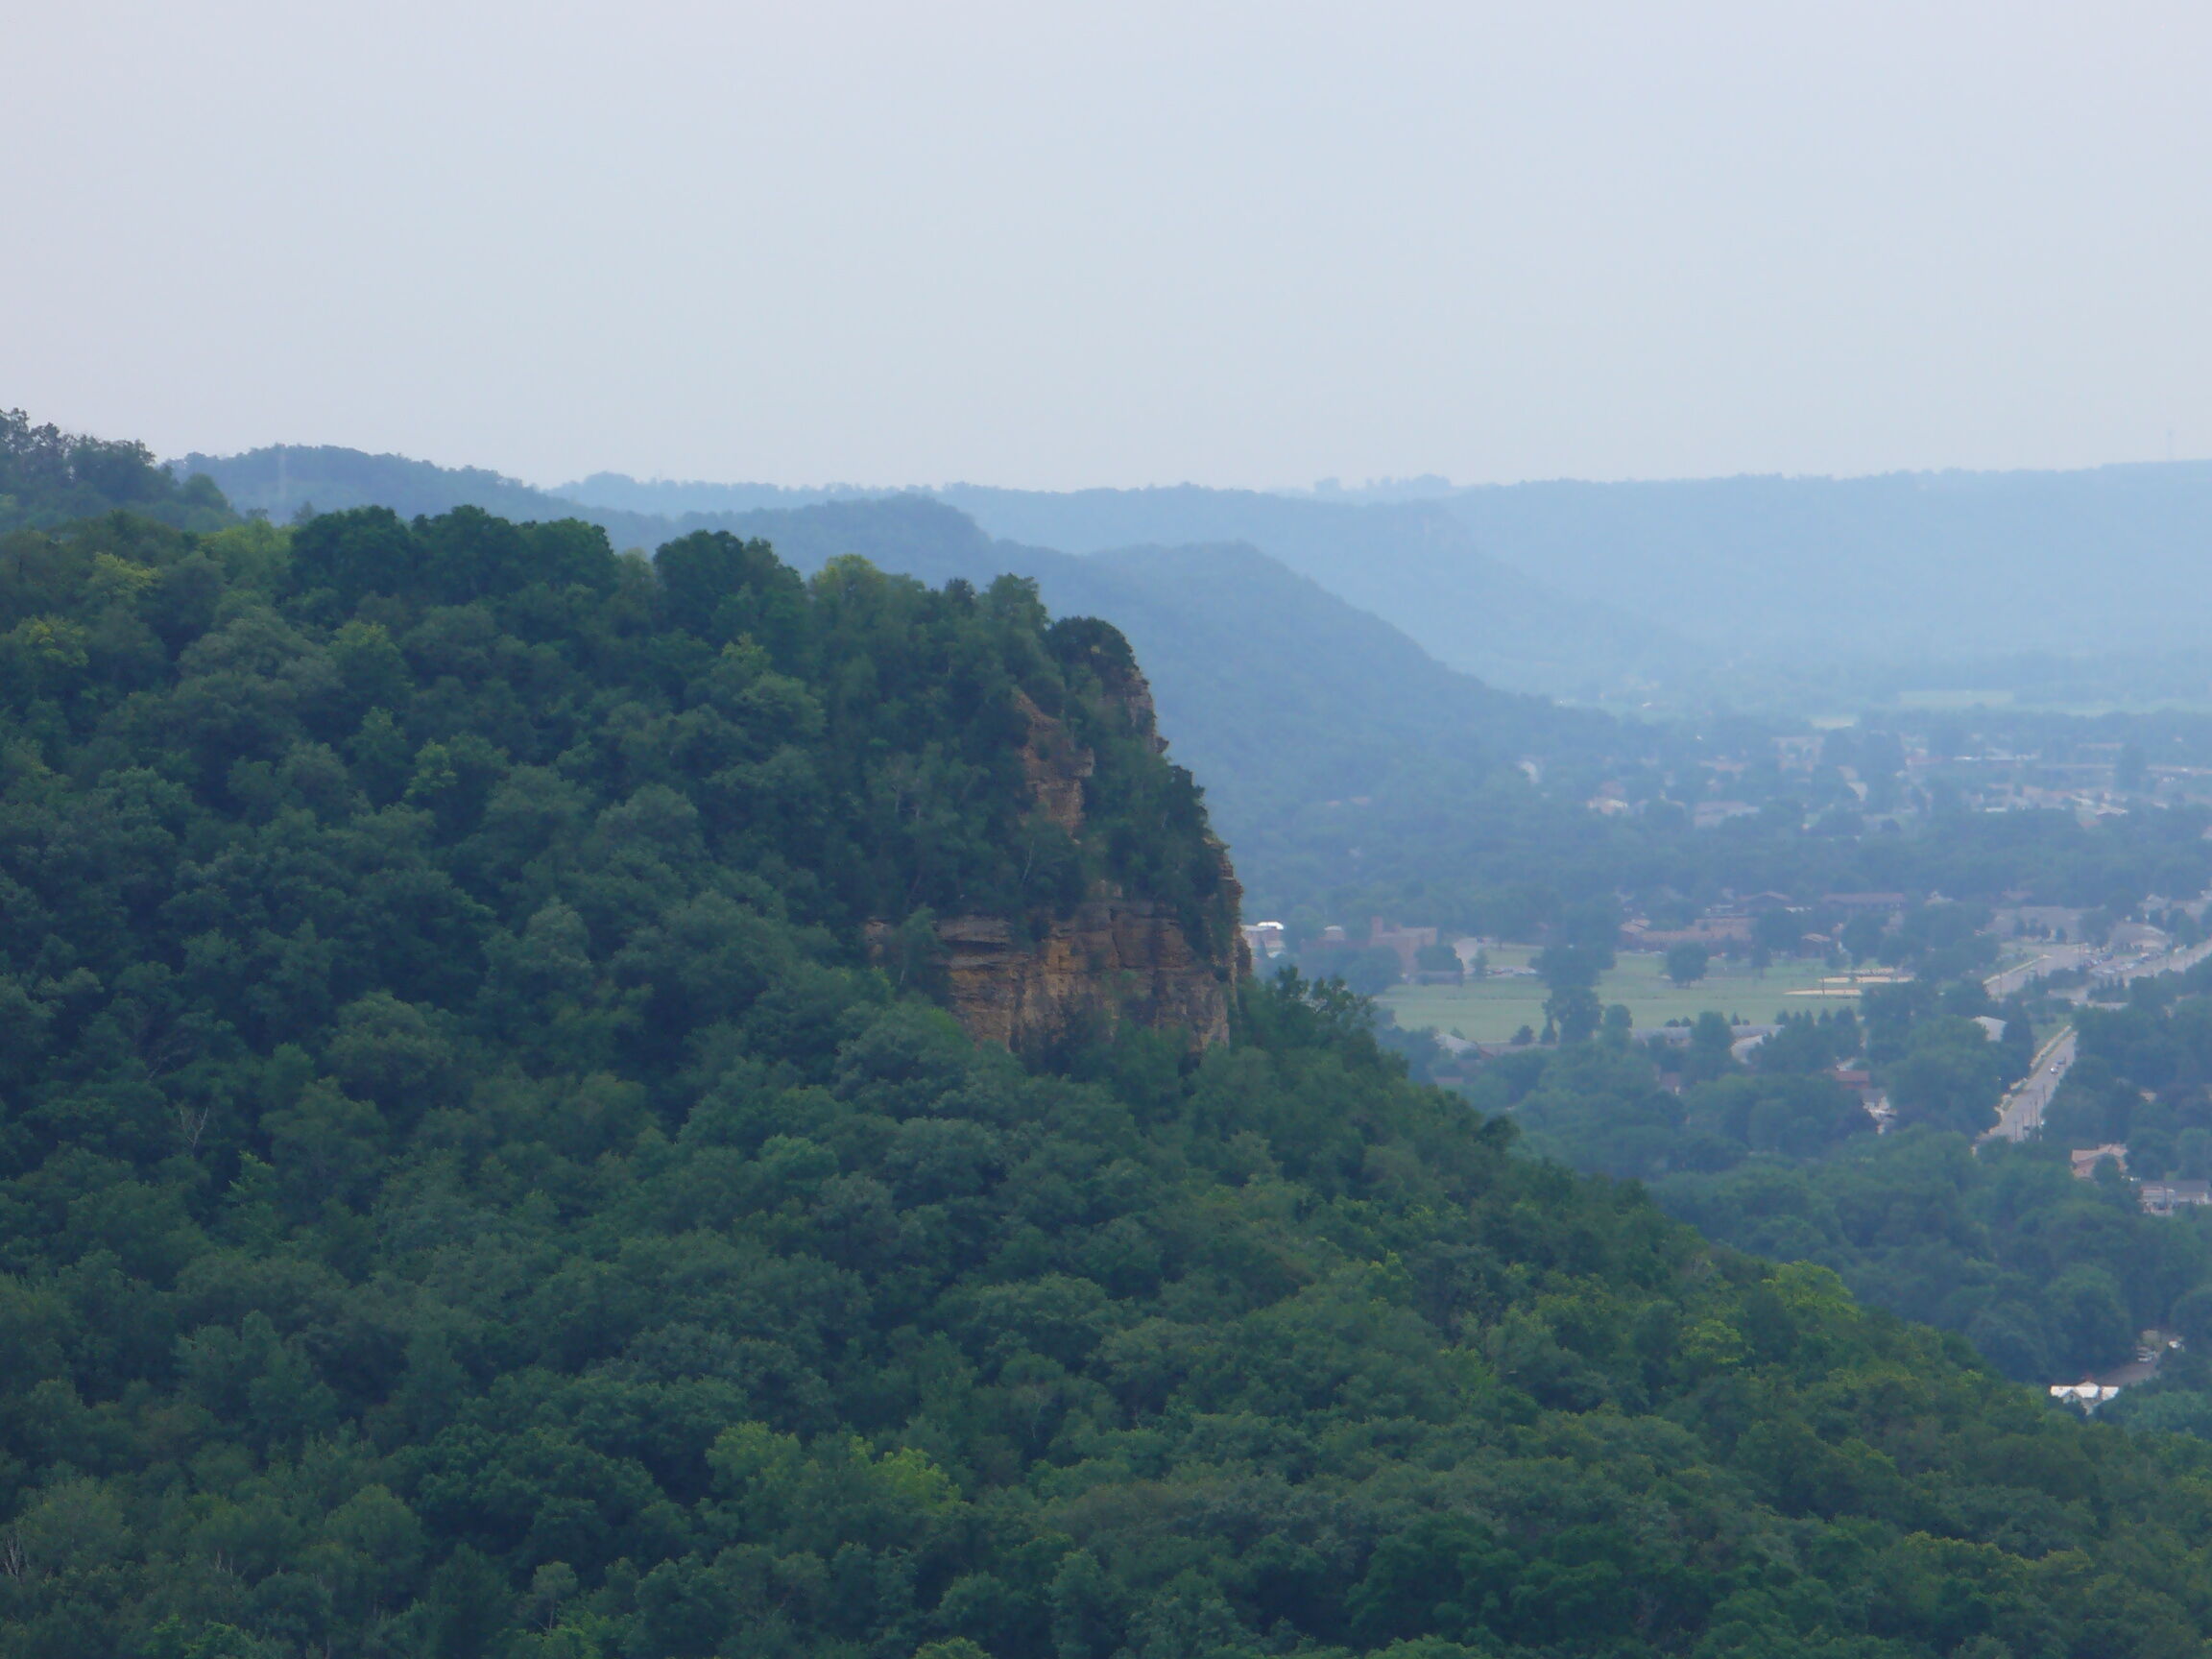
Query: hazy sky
[1056,245]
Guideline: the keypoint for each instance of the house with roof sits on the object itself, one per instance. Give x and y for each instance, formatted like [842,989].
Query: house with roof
[2086,1160]
[2101,1388]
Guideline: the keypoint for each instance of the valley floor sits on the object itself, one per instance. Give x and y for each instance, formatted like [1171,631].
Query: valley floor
[1490,1010]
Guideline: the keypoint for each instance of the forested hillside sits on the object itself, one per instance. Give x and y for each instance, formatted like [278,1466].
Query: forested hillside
[282,481]
[2049,1277]
[467,1191]
[48,477]
[1243,654]
[1354,775]
[1239,648]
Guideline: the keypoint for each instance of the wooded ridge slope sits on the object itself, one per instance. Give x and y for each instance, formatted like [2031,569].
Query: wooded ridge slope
[463,1192]
[1354,776]
[1238,647]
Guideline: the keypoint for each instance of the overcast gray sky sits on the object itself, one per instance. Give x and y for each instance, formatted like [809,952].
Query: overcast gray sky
[1057,245]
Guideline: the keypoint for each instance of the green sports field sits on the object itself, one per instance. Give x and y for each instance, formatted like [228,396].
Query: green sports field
[1493,1009]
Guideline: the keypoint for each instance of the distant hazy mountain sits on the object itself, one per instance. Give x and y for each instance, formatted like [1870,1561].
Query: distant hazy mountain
[1394,550]
[1950,563]
[675,499]
[1771,592]
[1414,563]
[280,479]
[1818,593]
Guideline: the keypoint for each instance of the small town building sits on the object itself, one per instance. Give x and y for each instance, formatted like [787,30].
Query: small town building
[2151,1350]
[2164,1197]
[1266,939]
[2088,1158]
[1407,942]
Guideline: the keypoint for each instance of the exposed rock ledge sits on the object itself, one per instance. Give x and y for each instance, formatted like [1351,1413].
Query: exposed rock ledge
[1113,961]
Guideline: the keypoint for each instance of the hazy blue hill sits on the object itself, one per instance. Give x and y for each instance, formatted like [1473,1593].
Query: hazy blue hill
[1414,563]
[1768,592]
[1404,557]
[1773,591]
[280,478]
[1951,563]
[1287,702]
[910,533]
[674,499]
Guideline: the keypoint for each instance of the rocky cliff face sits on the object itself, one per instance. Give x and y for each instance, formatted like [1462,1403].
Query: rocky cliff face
[1117,960]
[1056,767]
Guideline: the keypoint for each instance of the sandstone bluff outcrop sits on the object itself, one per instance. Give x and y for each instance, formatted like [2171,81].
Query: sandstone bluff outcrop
[1115,960]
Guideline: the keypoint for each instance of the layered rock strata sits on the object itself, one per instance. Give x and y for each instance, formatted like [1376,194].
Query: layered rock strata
[1114,961]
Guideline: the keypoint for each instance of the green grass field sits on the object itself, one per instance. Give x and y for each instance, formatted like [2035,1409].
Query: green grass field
[1492,1010]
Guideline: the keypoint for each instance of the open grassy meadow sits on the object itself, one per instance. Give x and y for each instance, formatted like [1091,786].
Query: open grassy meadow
[1491,1010]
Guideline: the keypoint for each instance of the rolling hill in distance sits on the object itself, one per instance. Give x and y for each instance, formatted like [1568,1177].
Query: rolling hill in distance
[1412,563]
[1943,562]
[1788,594]
[1239,647]
[1797,595]
[1755,587]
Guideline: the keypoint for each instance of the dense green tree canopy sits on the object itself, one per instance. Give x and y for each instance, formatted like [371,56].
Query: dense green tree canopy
[463,1190]
[48,477]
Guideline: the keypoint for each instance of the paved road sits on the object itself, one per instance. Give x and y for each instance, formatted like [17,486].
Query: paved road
[2049,961]
[2021,1114]
[2144,967]
[2104,968]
